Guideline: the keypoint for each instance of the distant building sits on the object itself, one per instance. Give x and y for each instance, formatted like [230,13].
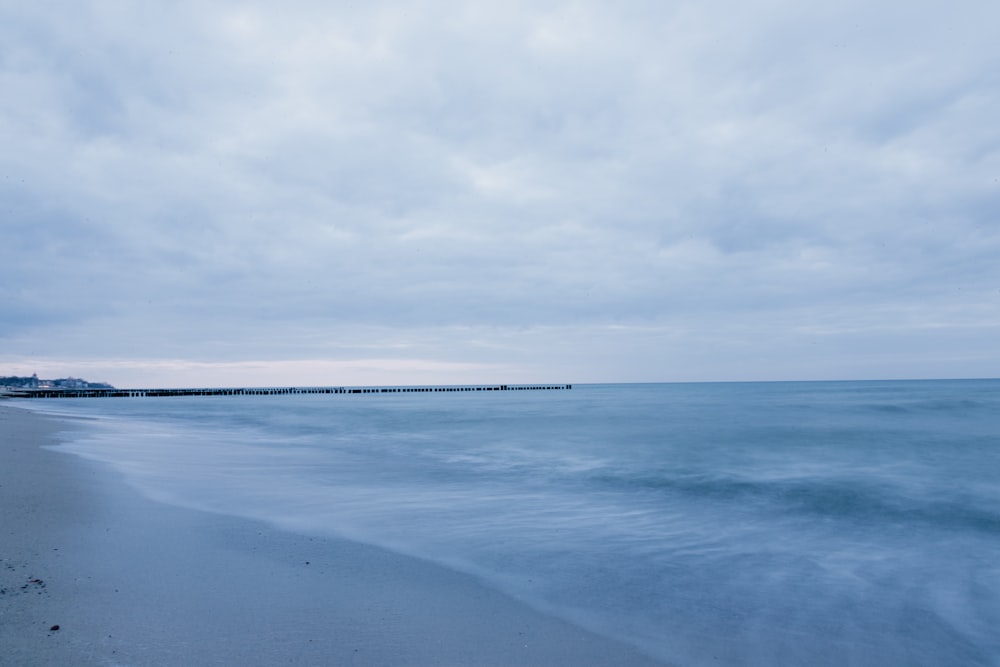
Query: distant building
[20,382]
[33,382]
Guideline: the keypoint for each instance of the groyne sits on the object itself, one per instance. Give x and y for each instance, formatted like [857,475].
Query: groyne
[265,391]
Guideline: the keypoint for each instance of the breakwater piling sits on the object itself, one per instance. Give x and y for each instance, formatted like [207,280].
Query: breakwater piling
[266,391]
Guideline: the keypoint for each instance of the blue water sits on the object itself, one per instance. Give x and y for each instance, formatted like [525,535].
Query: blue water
[830,523]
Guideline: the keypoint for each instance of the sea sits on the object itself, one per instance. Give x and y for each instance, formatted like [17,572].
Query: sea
[778,523]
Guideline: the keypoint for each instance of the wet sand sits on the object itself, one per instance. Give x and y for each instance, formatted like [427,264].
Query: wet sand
[129,581]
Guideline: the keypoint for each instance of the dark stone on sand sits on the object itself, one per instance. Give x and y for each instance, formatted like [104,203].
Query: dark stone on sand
[53,628]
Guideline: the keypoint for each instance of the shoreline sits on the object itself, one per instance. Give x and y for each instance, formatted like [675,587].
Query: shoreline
[130,581]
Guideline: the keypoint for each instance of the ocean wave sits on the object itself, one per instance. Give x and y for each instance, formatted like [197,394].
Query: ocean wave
[843,499]
[936,406]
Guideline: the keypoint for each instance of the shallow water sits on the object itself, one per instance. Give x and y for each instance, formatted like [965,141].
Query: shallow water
[833,523]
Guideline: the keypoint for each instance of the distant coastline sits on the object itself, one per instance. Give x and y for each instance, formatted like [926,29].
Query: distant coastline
[33,382]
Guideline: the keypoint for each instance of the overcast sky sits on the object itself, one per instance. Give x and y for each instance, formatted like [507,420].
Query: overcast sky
[324,193]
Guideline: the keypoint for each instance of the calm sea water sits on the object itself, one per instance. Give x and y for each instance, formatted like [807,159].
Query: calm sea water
[829,523]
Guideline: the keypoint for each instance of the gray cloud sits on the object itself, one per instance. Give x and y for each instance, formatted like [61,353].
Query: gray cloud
[644,191]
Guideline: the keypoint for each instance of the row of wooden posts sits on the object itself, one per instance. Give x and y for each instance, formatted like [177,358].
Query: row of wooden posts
[262,391]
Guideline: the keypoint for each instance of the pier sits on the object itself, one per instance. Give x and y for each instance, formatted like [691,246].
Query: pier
[266,391]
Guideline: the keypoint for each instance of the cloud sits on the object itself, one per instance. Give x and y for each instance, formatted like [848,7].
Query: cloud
[276,177]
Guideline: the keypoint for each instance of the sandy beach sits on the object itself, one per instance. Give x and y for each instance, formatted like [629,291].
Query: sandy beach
[128,581]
